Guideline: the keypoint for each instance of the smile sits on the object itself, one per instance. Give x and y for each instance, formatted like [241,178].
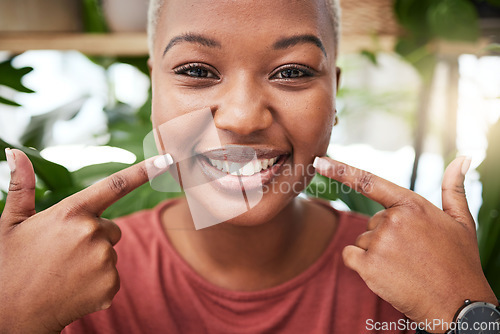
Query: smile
[236,168]
[249,169]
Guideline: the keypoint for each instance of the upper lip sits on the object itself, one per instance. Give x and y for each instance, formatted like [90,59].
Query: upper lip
[243,153]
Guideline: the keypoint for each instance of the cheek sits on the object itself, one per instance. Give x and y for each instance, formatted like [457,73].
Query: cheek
[311,123]
[169,102]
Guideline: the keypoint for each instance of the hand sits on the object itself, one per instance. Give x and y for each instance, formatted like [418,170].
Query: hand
[59,265]
[419,258]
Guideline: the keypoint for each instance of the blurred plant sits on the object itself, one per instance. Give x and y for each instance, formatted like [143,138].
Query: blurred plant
[12,77]
[425,22]
[489,214]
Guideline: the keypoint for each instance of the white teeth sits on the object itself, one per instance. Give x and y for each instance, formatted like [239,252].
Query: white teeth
[248,169]
[265,163]
[234,168]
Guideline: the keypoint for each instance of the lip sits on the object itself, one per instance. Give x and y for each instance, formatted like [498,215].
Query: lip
[241,154]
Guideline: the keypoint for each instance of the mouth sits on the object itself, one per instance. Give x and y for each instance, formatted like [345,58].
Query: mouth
[248,169]
[242,167]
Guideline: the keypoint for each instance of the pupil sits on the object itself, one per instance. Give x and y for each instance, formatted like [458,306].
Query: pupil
[197,72]
[291,73]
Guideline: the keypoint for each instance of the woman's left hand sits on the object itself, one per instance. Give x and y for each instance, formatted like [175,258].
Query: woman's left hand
[419,258]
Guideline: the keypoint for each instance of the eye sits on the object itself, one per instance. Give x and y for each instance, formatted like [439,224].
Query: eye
[196,70]
[290,72]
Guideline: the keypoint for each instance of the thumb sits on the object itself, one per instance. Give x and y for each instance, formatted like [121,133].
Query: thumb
[453,191]
[20,202]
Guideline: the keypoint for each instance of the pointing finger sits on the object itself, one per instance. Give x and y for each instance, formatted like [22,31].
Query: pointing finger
[98,197]
[378,189]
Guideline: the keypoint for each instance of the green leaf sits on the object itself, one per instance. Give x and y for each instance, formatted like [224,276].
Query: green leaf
[90,174]
[489,214]
[455,20]
[9,102]
[93,17]
[493,48]
[411,14]
[40,127]
[494,2]
[54,176]
[2,200]
[141,198]
[416,53]
[12,77]
[371,56]
[141,62]
[332,190]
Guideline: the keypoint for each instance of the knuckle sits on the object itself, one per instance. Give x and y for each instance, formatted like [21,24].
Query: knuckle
[392,217]
[143,172]
[456,188]
[346,256]
[111,285]
[17,187]
[92,226]
[359,239]
[341,170]
[377,241]
[69,210]
[106,256]
[118,184]
[366,181]
[88,229]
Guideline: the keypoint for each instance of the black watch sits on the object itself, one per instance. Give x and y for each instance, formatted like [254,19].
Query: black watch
[475,318]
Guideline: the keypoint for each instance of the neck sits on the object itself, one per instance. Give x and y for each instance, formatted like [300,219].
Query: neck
[248,258]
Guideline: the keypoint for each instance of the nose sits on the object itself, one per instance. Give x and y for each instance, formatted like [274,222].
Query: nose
[243,109]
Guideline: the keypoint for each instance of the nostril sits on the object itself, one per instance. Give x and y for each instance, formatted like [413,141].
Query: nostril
[243,121]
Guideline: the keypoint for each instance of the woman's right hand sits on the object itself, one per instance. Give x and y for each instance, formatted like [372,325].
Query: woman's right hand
[59,264]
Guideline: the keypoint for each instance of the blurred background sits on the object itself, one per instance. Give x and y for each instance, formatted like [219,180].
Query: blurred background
[420,85]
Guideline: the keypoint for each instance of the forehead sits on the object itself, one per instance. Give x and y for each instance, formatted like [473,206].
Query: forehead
[245,19]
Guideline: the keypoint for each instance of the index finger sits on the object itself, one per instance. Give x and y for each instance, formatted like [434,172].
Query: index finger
[98,197]
[376,188]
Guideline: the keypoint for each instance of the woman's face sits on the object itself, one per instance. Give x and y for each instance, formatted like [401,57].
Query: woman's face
[266,72]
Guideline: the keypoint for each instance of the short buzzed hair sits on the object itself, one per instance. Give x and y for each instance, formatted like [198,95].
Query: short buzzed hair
[156,5]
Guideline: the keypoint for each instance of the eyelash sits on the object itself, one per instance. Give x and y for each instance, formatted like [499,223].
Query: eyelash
[305,70]
[183,69]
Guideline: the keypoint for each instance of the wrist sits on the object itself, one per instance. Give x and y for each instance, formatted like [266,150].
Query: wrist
[474,317]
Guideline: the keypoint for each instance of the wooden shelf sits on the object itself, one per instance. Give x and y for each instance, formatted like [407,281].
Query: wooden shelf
[123,44]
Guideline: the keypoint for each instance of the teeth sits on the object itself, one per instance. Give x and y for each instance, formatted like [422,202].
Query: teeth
[265,163]
[249,169]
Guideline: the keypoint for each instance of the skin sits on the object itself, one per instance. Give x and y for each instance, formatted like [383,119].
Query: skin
[252,105]
[59,264]
[424,275]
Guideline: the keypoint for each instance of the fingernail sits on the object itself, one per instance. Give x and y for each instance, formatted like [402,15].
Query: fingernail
[320,163]
[11,160]
[164,161]
[466,165]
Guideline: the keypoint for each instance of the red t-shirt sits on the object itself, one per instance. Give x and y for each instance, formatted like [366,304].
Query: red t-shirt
[161,293]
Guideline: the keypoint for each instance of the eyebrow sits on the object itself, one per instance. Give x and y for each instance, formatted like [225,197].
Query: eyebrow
[288,42]
[192,38]
[283,43]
